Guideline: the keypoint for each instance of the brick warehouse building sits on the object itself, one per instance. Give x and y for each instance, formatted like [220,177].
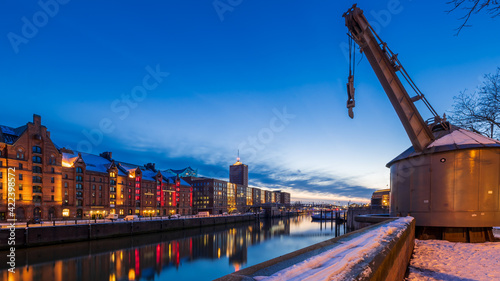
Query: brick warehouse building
[38,171]
[53,182]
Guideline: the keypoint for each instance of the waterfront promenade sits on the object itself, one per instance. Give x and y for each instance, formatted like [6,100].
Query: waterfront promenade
[61,233]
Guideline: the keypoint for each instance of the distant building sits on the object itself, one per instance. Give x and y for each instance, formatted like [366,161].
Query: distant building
[209,195]
[186,172]
[256,196]
[238,173]
[231,197]
[285,198]
[269,197]
[282,198]
[380,198]
[241,197]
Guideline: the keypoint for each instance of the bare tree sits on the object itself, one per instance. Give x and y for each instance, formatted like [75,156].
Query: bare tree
[491,7]
[480,111]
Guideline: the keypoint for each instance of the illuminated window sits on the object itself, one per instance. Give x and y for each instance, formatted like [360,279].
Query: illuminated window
[65,212]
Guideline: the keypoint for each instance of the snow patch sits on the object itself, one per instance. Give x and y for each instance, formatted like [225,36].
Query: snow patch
[443,260]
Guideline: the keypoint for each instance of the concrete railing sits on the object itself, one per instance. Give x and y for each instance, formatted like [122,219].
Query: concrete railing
[385,257]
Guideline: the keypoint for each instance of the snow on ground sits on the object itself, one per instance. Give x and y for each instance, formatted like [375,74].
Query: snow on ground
[443,260]
[496,232]
[331,264]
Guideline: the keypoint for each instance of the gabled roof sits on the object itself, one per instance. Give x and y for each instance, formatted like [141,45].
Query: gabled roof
[10,135]
[456,138]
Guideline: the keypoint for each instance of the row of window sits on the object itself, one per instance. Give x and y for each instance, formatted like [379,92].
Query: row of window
[36,198]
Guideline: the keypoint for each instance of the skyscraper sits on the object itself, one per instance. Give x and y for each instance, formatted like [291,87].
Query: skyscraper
[238,173]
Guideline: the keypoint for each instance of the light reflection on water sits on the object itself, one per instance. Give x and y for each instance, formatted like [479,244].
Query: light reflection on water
[196,254]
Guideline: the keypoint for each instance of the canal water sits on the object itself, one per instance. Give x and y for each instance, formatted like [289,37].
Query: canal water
[197,254]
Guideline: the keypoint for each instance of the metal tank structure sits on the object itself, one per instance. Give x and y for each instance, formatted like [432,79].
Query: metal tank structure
[453,183]
[449,180]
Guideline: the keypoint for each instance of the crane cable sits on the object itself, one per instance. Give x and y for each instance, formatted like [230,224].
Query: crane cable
[350,79]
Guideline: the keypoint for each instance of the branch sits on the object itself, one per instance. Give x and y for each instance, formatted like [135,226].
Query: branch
[467,16]
[492,7]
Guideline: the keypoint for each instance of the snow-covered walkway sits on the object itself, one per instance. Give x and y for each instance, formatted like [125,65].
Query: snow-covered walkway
[335,263]
[443,260]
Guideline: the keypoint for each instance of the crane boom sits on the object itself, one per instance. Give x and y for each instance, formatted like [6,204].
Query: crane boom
[385,66]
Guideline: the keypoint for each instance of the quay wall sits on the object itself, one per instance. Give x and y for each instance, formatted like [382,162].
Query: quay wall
[47,235]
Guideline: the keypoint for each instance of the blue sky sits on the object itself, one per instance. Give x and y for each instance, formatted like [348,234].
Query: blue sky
[186,83]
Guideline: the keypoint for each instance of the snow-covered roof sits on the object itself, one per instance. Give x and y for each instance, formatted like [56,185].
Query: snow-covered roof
[127,167]
[456,138]
[100,164]
[10,135]
[93,162]
[166,175]
[148,174]
[461,138]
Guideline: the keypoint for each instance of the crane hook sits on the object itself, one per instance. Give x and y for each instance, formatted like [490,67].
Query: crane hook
[350,95]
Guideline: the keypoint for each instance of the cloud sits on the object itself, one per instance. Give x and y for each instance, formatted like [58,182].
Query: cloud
[305,184]
[314,185]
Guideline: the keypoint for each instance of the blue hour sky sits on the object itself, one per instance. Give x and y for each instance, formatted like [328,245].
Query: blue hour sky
[188,83]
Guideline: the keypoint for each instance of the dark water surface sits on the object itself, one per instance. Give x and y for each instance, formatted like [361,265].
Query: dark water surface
[198,254]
